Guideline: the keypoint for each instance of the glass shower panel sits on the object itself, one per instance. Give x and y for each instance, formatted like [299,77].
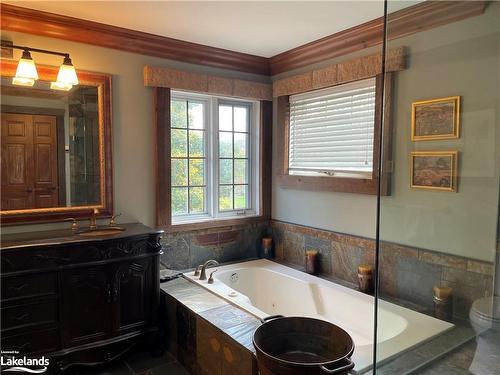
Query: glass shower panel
[438,221]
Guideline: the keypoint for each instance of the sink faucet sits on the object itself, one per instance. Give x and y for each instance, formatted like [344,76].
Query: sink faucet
[213,262]
[93,219]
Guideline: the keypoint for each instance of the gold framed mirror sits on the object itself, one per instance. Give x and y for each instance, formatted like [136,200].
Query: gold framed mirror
[56,148]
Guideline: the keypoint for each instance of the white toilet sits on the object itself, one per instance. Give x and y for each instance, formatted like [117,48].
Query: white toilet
[485,319]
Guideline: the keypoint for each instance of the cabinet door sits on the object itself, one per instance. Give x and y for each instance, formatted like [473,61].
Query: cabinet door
[86,304]
[133,294]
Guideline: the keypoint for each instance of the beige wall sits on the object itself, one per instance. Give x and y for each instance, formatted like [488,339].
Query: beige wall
[463,59]
[134,193]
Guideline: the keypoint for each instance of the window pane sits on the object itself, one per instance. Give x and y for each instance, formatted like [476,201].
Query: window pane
[240,145]
[225,171]
[240,119]
[195,115]
[179,201]
[240,196]
[225,145]
[225,117]
[178,143]
[197,200]
[240,171]
[225,198]
[179,172]
[196,172]
[196,143]
[178,114]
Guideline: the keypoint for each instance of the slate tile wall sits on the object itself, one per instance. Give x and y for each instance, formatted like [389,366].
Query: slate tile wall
[406,273]
[184,250]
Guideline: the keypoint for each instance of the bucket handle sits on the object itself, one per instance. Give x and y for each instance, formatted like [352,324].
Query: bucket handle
[339,370]
[271,317]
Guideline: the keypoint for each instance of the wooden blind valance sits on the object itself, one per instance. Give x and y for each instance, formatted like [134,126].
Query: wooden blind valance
[352,70]
[182,80]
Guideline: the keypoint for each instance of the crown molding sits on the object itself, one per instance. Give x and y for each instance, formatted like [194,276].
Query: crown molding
[419,17]
[30,21]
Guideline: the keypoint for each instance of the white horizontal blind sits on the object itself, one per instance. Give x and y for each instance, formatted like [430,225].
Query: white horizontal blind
[331,130]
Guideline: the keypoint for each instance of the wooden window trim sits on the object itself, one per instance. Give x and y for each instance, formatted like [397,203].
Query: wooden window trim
[162,165]
[341,184]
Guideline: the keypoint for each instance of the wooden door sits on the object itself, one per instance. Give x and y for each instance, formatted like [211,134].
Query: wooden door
[86,305]
[133,294]
[45,161]
[17,162]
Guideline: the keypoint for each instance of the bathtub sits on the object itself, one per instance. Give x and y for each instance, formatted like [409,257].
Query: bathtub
[264,288]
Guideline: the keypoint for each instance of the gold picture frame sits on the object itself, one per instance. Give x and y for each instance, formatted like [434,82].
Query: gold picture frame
[434,170]
[435,119]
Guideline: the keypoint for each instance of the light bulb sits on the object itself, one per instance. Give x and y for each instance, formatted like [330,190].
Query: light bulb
[67,73]
[20,81]
[63,86]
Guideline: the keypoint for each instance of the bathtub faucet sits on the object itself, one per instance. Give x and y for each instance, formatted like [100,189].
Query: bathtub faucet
[212,262]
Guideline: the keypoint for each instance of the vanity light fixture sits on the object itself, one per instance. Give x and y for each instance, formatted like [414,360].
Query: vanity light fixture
[26,73]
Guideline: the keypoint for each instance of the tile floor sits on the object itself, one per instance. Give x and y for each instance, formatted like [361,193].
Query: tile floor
[136,363]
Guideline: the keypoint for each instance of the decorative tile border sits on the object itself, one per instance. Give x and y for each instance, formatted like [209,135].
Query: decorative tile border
[406,273]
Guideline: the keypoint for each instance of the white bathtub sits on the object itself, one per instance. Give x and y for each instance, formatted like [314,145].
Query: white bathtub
[264,288]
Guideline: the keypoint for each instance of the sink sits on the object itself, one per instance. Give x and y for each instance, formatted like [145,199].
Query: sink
[104,231]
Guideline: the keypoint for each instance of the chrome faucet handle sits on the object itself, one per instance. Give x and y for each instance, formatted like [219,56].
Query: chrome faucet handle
[74,224]
[197,270]
[211,278]
[112,220]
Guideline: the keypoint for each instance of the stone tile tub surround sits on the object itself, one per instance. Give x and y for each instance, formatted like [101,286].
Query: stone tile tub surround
[407,273]
[186,250]
[207,334]
[210,336]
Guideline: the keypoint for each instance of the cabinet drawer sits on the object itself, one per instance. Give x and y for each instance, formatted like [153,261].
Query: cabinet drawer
[31,259]
[36,341]
[29,314]
[29,285]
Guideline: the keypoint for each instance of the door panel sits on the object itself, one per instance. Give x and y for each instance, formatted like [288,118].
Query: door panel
[17,162]
[133,294]
[86,303]
[45,160]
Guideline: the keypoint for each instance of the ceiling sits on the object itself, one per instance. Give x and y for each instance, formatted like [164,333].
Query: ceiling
[263,28]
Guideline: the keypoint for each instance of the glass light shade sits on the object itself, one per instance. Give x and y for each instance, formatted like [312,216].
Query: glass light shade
[26,71]
[63,86]
[20,81]
[67,73]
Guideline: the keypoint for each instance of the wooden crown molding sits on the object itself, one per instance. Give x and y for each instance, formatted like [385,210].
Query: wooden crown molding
[30,21]
[419,17]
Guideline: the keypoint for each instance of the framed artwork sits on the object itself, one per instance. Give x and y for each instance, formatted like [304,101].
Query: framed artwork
[434,170]
[435,119]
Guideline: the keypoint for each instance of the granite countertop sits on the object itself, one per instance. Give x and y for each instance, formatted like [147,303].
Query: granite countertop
[65,236]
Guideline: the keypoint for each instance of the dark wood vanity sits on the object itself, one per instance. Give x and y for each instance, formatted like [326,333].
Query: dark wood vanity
[80,299]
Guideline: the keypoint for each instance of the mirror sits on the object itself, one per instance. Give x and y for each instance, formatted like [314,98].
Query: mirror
[55,147]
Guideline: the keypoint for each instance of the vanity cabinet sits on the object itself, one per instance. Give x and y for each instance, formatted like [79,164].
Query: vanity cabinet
[80,300]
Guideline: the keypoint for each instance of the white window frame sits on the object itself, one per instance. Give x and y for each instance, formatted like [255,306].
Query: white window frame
[212,159]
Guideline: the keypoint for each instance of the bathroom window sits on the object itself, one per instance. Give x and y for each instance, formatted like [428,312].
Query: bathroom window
[332,131]
[214,157]
[331,137]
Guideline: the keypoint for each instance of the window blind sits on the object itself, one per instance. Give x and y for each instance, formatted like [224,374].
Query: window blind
[332,130]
